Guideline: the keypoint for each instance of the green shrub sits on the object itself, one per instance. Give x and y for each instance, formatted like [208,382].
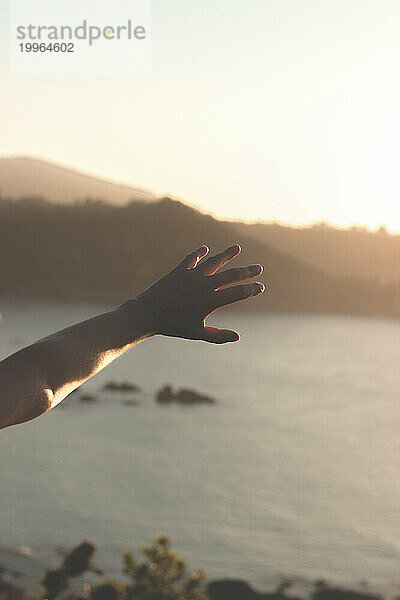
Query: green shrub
[160,575]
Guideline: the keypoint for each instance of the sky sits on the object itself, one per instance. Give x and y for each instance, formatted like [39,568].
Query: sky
[284,110]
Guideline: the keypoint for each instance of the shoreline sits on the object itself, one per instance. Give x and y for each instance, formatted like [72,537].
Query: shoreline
[114,300]
[230,588]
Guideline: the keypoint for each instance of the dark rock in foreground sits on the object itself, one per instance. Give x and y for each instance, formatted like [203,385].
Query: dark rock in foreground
[325,592]
[237,589]
[124,386]
[10,591]
[232,589]
[187,397]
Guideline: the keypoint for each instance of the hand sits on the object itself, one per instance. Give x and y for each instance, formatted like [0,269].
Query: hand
[182,299]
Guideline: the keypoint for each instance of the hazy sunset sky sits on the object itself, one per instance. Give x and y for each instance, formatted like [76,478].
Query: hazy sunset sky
[259,109]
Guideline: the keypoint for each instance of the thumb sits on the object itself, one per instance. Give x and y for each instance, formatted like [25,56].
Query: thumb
[219,336]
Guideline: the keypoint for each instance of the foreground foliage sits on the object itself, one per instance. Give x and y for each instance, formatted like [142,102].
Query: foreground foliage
[160,575]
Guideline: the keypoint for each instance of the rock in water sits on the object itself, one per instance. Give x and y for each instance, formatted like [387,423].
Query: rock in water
[165,395]
[87,398]
[124,386]
[184,396]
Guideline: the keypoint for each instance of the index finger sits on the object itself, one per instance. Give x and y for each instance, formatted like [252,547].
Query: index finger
[191,260]
[212,264]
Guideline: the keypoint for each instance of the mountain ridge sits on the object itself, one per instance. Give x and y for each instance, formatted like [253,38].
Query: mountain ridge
[26,176]
[344,253]
[93,249]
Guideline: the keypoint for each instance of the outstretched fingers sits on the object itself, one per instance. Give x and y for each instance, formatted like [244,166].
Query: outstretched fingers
[212,264]
[232,275]
[219,336]
[236,293]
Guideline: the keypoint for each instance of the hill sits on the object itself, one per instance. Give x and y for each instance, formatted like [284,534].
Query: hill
[348,253]
[355,252]
[29,177]
[93,249]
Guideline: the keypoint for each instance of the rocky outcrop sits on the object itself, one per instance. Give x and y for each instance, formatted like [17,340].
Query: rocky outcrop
[123,386]
[184,396]
[87,398]
[237,589]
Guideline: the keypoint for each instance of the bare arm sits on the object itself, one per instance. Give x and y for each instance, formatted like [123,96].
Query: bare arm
[38,377]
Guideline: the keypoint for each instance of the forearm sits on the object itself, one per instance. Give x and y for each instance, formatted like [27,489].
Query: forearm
[40,376]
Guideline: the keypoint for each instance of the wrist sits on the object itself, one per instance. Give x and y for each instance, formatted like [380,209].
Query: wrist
[136,319]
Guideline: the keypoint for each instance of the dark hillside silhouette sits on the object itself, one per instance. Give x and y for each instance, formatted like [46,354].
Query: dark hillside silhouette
[354,252]
[93,249]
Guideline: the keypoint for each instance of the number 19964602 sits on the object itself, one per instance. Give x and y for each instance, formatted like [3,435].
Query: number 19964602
[46,47]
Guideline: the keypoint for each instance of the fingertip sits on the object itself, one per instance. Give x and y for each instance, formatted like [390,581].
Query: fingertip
[255,269]
[234,249]
[232,336]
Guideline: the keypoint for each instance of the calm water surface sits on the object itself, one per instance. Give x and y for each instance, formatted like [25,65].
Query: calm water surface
[295,471]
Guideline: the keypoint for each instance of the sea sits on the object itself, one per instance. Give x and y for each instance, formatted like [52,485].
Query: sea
[293,473]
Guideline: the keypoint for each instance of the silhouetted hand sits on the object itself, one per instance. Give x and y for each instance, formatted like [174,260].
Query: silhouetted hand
[182,299]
